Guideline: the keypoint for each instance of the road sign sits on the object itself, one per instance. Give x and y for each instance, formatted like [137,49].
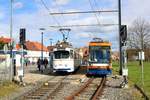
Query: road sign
[141,55]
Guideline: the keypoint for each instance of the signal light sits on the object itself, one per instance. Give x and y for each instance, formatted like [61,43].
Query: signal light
[22,36]
[123,33]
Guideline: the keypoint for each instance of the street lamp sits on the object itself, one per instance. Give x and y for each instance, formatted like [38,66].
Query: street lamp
[42,29]
[11,42]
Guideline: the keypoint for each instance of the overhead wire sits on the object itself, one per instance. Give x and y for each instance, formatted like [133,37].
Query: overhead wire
[92,8]
[59,9]
[82,12]
[96,5]
[93,11]
[61,16]
[82,25]
[48,9]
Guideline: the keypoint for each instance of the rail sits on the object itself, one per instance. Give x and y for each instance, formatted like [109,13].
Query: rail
[42,92]
[71,97]
[87,84]
[99,89]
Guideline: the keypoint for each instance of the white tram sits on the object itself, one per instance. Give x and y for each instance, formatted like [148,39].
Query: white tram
[65,58]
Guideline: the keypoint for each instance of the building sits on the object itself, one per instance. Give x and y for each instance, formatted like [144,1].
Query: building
[84,53]
[33,50]
[4,42]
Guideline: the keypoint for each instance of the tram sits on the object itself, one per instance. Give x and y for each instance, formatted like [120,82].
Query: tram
[65,58]
[99,57]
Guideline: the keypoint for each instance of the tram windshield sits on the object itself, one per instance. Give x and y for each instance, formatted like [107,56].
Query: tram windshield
[61,54]
[99,54]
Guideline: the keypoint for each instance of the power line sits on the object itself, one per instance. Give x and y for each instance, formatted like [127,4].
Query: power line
[96,5]
[82,25]
[59,9]
[78,12]
[92,8]
[46,7]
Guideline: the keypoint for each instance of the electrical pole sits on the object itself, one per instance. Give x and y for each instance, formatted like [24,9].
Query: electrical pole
[120,41]
[11,41]
[42,29]
[42,46]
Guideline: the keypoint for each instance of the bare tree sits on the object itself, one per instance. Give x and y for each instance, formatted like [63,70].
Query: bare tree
[139,34]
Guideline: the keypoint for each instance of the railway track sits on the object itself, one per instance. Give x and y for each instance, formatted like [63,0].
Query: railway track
[89,91]
[46,90]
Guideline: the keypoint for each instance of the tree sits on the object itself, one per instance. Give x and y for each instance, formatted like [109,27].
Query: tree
[1,45]
[139,34]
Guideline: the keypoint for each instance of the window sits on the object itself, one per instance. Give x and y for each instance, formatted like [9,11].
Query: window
[61,54]
[99,54]
[71,53]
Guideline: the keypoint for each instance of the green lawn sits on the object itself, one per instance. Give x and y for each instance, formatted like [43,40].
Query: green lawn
[135,74]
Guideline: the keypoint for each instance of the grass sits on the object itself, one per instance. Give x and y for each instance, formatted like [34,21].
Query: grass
[6,88]
[134,71]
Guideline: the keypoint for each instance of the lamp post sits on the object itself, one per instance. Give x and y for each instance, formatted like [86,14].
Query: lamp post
[51,41]
[42,29]
[11,42]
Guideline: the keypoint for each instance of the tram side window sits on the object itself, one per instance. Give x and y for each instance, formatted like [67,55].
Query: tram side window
[71,54]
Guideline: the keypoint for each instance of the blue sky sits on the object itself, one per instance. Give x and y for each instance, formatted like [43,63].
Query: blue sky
[32,15]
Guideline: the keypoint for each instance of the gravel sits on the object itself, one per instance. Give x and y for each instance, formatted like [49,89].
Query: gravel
[112,90]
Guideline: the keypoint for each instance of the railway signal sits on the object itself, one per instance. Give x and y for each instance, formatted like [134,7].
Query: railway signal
[123,34]
[22,36]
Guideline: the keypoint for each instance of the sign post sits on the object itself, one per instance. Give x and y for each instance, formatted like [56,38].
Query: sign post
[142,57]
[21,68]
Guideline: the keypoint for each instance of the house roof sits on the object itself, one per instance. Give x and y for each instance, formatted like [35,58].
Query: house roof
[33,46]
[5,40]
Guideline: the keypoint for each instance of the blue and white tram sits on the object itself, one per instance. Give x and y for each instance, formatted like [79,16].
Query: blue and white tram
[65,59]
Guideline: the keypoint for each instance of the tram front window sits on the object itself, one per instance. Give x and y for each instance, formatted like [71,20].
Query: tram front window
[61,54]
[100,54]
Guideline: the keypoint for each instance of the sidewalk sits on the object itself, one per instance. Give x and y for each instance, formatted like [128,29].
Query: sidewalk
[32,75]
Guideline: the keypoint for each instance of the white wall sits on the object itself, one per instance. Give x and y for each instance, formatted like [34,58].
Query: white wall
[34,55]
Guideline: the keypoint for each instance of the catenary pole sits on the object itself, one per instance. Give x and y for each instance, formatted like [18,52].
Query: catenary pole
[42,29]
[11,37]
[120,48]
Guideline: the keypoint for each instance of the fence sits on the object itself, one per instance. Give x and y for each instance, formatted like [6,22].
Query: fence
[4,67]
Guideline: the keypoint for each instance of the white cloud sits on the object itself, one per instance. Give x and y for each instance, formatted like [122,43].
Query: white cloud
[132,9]
[18,5]
[62,2]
